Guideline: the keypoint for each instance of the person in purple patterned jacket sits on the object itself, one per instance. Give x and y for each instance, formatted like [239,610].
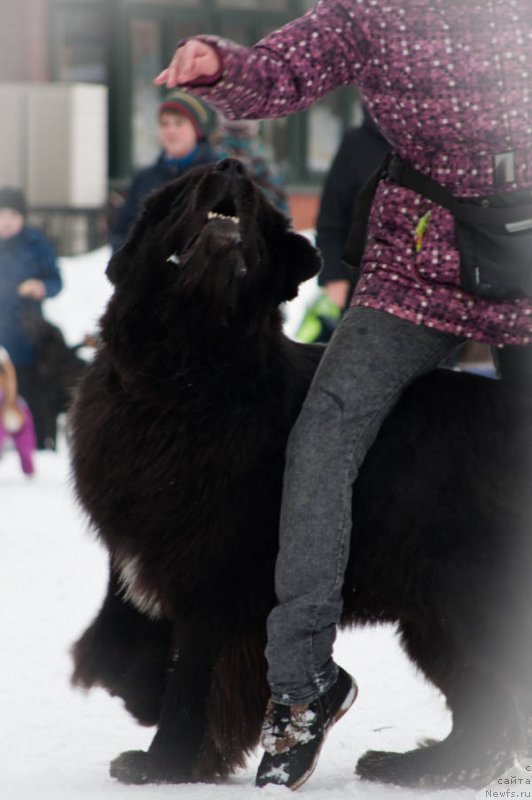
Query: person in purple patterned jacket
[450,86]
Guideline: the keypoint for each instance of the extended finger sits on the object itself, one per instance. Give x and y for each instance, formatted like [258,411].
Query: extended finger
[161,77]
[169,75]
[179,70]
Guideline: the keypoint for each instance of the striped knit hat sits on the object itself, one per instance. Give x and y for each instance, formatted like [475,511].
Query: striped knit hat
[189,106]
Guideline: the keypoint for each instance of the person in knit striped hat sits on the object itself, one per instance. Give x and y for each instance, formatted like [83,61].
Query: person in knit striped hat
[183,126]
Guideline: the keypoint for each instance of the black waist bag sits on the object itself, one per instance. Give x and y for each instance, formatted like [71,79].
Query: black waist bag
[493,234]
[496,255]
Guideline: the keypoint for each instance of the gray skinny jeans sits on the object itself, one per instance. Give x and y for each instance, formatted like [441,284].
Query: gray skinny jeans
[370,360]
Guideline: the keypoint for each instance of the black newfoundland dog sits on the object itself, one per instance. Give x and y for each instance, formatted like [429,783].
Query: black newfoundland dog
[178,434]
[59,369]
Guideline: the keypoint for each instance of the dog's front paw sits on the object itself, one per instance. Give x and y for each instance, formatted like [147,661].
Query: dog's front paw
[134,766]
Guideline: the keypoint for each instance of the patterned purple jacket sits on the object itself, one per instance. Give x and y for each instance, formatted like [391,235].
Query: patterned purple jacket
[449,83]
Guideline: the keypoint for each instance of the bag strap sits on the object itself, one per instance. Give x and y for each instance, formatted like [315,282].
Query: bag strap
[402,173]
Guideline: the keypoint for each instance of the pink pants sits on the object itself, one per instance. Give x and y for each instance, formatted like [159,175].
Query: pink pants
[24,440]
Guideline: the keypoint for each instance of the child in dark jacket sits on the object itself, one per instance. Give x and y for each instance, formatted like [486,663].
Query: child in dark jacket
[28,274]
[183,123]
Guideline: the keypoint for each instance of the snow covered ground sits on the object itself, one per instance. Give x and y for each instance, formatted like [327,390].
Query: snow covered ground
[55,743]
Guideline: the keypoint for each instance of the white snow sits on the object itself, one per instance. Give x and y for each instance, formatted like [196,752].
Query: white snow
[55,742]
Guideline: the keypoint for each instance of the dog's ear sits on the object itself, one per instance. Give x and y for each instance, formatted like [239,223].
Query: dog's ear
[117,266]
[119,263]
[154,208]
[302,261]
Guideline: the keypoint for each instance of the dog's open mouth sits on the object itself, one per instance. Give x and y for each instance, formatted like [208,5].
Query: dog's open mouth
[225,216]
[221,226]
[215,215]
[224,229]
[228,224]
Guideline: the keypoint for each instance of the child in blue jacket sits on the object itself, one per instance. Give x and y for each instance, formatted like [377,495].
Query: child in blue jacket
[28,274]
[183,122]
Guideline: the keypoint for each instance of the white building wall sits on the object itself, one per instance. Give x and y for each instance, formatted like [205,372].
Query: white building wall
[54,143]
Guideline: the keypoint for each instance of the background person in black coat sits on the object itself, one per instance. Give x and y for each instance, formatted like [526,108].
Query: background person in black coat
[362,150]
[183,125]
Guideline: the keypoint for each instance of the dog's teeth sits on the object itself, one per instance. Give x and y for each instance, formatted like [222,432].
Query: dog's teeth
[174,258]
[216,215]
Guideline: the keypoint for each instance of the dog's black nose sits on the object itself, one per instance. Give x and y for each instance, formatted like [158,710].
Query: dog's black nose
[231,166]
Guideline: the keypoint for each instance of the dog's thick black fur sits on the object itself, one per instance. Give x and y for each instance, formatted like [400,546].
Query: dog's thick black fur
[178,435]
[59,368]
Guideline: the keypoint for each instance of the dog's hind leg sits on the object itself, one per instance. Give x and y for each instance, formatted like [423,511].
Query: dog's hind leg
[174,753]
[486,735]
[487,727]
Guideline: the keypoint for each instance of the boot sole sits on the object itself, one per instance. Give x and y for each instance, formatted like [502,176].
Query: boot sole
[344,708]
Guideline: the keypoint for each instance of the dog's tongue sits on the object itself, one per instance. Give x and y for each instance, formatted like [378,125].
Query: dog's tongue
[221,231]
[223,225]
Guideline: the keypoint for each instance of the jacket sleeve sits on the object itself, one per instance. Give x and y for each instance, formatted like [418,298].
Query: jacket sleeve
[291,68]
[48,270]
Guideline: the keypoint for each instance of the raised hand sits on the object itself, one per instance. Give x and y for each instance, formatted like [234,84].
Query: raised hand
[193,60]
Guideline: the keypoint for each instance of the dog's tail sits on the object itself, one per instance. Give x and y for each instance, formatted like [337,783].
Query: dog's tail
[239,696]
